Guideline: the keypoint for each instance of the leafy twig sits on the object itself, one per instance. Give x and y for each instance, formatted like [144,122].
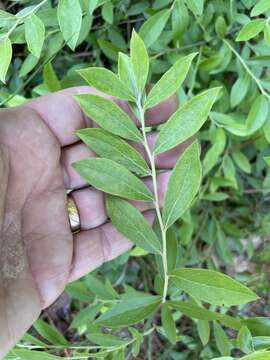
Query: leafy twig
[151,158]
[248,70]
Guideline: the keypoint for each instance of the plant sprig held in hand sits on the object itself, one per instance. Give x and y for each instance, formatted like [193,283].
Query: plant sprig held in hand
[119,169]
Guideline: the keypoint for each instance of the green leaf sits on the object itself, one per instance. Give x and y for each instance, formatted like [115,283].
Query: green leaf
[217,196]
[29,63]
[260,355]
[139,61]
[86,315]
[114,148]
[186,121]
[168,323]
[107,82]
[244,340]
[50,78]
[194,311]
[109,116]
[256,118]
[267,35]
[196,6]
[267,160]
[261,342]
[108,176]
[259,326]
[125,72]
[69,15]
[135,227]
[92,5]
[213,154]
[180,19]
[183,185]
[261,7]
[34,34]
[212,287]
[153,27]
[129,311]
[257,114]
[251,29]
[170,82]
[101,290]
[222,341]
[229,171]
[172,248]
[7,19]
[106,340]
[79,291]
[242,161]
[239,89]
[221,27]
[107,12]
[6,56]
[22,354]
[50,333]
[136,346]
[203,328]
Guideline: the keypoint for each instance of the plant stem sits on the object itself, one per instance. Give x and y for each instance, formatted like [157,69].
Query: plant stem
[156,202]
[251,74]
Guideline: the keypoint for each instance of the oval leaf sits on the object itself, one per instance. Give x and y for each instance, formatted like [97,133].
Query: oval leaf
[131,223]
[125,72]
[186,121]
[183,185]
[222,341]
[34,34]
[212,287]
[170,81]
[109,116]
[108,176]
[153,27]
[112,147]
[258,355]
[251,29]
[107,82]
[69,15]
[139,61]
[261,7]
[168,323]
[6,56]
[129,311]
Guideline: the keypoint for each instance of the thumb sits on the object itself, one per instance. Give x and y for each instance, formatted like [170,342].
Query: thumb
[4,170]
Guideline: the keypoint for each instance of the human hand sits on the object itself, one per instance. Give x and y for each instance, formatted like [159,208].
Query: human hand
[39,255]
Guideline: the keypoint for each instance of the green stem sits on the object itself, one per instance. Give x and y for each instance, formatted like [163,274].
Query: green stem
[156,202]
[248,70]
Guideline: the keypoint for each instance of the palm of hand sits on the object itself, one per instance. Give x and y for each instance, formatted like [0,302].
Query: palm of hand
[38,252]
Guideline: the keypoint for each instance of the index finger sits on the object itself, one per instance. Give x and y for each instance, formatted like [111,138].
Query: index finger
[63,115]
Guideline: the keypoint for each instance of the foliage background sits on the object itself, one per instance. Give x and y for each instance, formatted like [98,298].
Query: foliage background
[228,227]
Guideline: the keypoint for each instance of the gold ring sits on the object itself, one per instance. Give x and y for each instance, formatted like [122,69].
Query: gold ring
[73,214]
